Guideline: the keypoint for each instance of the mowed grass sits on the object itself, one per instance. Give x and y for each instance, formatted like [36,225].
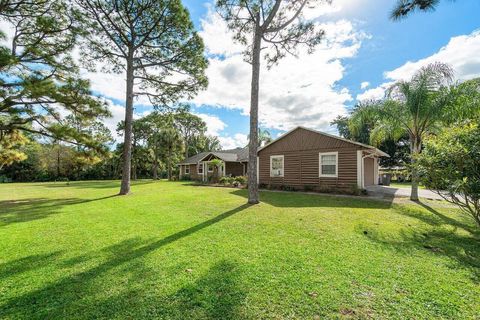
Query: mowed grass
[177,251]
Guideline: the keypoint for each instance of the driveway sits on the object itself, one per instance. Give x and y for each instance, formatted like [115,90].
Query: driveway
[399,192]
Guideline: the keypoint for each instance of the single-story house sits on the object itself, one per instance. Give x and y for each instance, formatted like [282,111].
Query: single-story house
[199,167]
[299,158]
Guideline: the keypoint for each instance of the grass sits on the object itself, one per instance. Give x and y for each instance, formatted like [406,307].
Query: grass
[177,251]
[405,184]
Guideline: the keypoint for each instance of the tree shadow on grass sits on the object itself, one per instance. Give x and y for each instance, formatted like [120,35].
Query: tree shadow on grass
[461,247]
[305,200]
[11,268]
[216,294]
[57,299]
[24,210]
[93,184]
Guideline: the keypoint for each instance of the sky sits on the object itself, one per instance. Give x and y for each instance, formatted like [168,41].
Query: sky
[363,52]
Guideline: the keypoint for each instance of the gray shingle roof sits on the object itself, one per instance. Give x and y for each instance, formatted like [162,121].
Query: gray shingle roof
[233,155]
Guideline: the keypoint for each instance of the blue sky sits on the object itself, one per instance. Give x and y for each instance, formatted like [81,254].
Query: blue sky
[381,46]
[362,54]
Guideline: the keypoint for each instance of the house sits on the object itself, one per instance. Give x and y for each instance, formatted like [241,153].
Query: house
[299,159]
[199,167]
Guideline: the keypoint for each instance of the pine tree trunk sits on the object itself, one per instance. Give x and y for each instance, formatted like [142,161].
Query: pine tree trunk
[58,161]
[415,150]
[253,197]
[155,166]
[169,168]
[134,160]
[127,145]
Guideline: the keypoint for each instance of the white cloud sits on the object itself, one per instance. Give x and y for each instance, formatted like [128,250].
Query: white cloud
[461,53]
[214,124]
[299,91]
[239,140]
[364,85]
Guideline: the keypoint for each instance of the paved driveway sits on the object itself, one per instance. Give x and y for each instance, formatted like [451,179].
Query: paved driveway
[399,192]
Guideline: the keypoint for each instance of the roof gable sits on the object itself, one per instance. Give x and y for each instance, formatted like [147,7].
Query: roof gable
[301,138]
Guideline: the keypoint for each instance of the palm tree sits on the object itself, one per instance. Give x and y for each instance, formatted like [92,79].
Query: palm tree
[264,137]
[414,108]
[405,7]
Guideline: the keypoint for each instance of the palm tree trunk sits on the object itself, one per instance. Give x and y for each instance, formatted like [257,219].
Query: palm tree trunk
[253,197]
[127,145]
[415,150]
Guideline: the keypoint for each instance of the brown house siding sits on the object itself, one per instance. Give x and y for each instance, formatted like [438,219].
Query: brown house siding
[193,172]
[301,150]
[234,168]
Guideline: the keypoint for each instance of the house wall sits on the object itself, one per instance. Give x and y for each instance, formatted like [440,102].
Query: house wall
[234,169]
[193,172]
[301,150]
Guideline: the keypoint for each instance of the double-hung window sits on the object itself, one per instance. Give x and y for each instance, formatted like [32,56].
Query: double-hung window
[328,164]
[276,166]
[200,168]
[210,167]
[187,169]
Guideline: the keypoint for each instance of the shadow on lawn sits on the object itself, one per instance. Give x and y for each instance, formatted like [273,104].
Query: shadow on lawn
[94,184]
[74,295]
[23,210]
[304,200]
[461,247]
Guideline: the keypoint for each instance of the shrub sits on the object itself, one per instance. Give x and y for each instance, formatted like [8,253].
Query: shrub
[450,164]
[308,188]
[241,180]
[186,178]
[287,188]
[226,180]
[357,191]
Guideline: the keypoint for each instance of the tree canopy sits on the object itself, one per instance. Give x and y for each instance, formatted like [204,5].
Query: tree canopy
[154,43]
[276,28]
[39,81]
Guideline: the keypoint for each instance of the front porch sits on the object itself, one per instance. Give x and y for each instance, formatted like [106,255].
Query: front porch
[205,170]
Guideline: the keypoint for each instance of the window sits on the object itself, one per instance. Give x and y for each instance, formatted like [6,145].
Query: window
[329,164]
[210,167]
[187,169]
[200,168]
[276,166]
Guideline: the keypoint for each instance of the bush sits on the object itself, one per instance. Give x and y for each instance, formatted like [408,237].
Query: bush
[226,181]
[308,188]
[186,178]
[241,180]
[449,165]
[287,188]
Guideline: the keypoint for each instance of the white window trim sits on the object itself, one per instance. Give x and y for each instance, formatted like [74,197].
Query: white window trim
[208,168]
[200,167]
[283,161]
[187,167]
[320,164]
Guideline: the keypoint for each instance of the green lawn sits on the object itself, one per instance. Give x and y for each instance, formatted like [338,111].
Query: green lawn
[178,251]
[403,185]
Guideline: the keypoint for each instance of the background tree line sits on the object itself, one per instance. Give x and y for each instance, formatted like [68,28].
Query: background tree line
[160,140]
